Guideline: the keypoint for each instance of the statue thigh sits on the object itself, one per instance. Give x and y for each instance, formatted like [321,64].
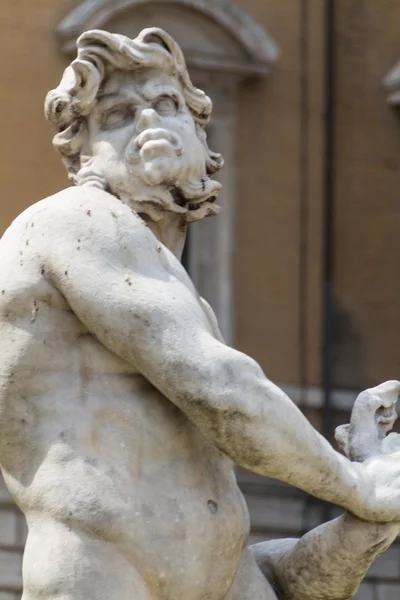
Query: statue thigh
[250,583]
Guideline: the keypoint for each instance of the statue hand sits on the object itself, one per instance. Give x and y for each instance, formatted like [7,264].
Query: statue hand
[373,416]
[365,440]
[379,489]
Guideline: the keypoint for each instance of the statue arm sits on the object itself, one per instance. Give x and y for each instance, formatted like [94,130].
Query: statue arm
[331,560]
[119,283]
[328,562]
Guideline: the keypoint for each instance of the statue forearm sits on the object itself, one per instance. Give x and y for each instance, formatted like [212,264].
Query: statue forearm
[329,562]
[261,429]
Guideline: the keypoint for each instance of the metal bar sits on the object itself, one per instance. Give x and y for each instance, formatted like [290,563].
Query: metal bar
[303,200]
[328,227]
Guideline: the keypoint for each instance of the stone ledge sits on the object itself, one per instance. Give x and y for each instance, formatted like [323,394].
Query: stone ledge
[387,566]
[10,570]
[9,528]
[5,496]
[313,397]
[365,592]
[387,592]
[10,595]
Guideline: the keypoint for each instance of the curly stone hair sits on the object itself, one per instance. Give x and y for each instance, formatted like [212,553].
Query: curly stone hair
[100,52]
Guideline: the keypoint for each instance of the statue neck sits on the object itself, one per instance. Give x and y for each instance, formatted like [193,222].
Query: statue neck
[170,230]
[156,208]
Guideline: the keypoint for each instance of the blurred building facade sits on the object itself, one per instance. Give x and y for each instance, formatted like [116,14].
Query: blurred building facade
[301,266]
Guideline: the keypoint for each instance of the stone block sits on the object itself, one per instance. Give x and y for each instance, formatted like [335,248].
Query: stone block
[388,591]
[9,528]
[5,497]
[9,595]
[22,530]
[10,570]
[387,566]
[365,592]
[283,514]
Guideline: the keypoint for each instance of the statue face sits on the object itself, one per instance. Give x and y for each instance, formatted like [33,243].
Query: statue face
[142,135]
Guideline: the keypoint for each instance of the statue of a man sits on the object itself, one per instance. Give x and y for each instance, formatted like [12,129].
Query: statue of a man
[122,411]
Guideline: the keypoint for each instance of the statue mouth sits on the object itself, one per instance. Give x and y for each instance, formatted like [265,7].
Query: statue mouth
[159,138]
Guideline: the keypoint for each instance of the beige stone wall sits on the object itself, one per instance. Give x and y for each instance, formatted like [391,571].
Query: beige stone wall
[267,262]
[366,199]
[31,65]
[367,195]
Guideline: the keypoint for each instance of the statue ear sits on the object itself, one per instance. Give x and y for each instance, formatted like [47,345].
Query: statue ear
[342,439]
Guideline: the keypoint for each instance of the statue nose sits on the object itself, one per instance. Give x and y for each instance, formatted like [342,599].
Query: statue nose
[148,118]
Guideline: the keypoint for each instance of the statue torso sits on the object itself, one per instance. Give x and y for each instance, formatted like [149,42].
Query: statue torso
[101,462]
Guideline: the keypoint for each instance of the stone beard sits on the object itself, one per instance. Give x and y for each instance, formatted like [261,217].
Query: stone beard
[160,159]
[135,125]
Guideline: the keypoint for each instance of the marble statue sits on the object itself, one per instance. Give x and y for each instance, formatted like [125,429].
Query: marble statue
[122,411]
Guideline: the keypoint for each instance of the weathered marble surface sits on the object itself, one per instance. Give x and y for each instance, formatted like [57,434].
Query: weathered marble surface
[122,411]
[330,561]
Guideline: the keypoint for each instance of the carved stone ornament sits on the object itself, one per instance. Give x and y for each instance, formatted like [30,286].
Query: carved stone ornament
[122,410]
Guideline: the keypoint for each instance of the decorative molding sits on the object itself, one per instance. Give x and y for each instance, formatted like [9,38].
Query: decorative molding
[392,83]
[258,48]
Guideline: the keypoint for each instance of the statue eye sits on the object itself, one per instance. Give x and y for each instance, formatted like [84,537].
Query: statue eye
[166,106]
[116,117]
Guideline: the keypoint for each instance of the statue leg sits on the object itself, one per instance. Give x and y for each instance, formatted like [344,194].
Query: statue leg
[250,582]
[328,562]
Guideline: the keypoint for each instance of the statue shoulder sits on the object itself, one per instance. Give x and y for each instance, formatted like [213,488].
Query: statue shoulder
[60,204]
[84,211]
[82,224]
[72,202]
